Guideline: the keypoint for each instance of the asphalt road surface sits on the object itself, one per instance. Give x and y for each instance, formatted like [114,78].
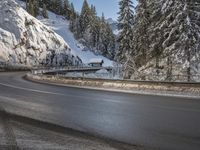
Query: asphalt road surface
[20,133]
[152,121]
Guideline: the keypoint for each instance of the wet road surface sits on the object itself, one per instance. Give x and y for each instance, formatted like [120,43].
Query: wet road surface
[152,121]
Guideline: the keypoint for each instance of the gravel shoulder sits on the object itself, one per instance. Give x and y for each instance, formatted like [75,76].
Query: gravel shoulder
[20,133]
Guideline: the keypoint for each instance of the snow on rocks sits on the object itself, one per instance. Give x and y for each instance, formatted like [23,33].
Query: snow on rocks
[25,40]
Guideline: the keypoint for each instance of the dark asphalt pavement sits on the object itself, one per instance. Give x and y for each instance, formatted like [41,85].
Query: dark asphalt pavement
[153,121]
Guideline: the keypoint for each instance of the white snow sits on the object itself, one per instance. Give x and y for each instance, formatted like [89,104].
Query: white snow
[95,60]
[25,40]
[116,32]
[103,71]
[101,74]
[61,26]
[110,21]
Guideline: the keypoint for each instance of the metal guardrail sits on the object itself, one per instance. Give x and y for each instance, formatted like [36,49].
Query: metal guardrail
[179,78]
[125,81]
[62,69]
[69,68]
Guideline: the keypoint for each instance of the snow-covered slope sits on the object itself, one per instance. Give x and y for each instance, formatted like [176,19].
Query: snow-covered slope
[61,26]
[25,40]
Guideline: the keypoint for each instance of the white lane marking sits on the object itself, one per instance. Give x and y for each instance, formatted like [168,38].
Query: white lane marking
[32,90]
[46,92]
[91,88]
[110,100]
[33,106]
[52,93]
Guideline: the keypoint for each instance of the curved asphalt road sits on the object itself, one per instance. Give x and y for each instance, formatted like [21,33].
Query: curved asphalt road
[153,121]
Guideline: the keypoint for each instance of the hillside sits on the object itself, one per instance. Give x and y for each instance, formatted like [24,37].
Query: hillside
[60,25]
[26,40]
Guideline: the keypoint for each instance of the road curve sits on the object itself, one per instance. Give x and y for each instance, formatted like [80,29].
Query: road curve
[154,121]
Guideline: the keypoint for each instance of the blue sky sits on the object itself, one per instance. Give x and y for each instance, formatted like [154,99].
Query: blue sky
[108,7]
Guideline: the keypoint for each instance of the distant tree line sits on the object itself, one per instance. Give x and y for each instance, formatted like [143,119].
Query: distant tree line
[33,8]
[92,31]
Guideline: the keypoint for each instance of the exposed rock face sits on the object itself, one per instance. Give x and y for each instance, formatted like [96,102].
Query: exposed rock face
[25,40]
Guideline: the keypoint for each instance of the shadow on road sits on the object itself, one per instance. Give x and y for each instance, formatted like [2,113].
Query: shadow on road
[17,132]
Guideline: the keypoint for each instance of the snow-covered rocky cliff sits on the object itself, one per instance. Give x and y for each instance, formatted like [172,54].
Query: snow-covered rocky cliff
[25,40]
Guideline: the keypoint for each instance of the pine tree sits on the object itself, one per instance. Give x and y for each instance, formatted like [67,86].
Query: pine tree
[36,7]
[60,11]
[182,38]
[67,9]
[57,6]
[155,41]
[47,3]
[51,5]
[77,30]
[27,5]
[126,16]
[106,42]
[102,36]
[93,9]
[31,8]
[111,44]
[44,11]
[141,26]
[85,17]
[41,2]
[92,32]
[73,17]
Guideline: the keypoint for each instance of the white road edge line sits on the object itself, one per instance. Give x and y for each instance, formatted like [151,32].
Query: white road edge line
[32,90]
